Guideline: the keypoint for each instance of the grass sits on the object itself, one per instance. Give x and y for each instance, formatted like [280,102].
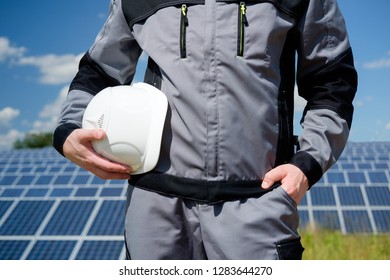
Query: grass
[323,244]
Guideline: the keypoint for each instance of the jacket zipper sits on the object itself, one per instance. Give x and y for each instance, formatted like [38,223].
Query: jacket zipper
[242,23]
[183,31]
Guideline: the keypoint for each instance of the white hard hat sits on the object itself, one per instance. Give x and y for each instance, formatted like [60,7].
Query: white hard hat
[133,118]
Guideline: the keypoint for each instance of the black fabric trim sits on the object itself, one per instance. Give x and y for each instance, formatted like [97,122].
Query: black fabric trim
[128,256]
[61,133]
[91,77]
[309,166]
[153,74]
[286,140]
[290,249]
[293,8]
[198,190]
[332,86]
[135,11]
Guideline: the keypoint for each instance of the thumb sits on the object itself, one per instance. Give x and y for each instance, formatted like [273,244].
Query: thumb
[93,134]
[272,177]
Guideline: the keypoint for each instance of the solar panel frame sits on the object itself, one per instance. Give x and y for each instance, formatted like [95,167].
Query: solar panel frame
[100,250]
[351,195]
[12,249]
[70,217]
[26,218]
[357,221]
[51,250]
[110,219]
[378,195]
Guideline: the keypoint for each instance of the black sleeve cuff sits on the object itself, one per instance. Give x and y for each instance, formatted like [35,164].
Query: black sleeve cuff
[61,133]
[309,166]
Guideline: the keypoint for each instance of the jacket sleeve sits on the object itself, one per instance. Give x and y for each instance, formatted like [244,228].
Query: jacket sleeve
[327,79]
[111,61]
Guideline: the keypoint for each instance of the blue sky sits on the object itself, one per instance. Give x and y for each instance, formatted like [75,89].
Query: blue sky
[42,41]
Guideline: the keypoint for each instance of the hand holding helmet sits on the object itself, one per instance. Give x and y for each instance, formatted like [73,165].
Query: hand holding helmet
[133,118]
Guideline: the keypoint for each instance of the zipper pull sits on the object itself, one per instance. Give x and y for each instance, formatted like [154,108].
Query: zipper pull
[243,13]
[183,31]
[184,13]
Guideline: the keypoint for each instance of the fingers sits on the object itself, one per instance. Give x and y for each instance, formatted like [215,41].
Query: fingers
[273,176]
[78,148]
[103,165]
[292,180]
[107,174]
[87,135]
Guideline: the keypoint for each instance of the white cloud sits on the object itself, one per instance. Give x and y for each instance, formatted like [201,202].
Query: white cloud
[54,69]
[7,140]
[54,108]
[50,112]
[8,114]
[379,63]
[7,51]
[387,126]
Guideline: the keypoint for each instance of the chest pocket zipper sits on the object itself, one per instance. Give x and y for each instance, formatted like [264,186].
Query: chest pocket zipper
[242,23]
[183,31]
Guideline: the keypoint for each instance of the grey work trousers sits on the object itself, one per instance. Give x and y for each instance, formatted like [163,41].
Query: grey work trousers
[163,227]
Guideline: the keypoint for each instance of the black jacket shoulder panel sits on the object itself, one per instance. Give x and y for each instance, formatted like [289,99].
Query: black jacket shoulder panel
[293,8]
[136,11]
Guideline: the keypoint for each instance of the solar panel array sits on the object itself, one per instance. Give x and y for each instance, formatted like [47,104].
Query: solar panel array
[354,195]
[52,209]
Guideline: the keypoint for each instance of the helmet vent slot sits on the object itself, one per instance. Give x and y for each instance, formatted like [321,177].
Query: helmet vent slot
[100,121]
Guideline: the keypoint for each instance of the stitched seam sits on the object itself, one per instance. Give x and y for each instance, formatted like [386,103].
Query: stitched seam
[330,44]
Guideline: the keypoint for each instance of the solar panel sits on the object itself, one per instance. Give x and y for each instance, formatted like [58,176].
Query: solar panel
[350,195]
[62,180]
[382,220]
[53,209]
[26,218]
[112,192]
[100,250]
[335,177]
[12,249]
[322,196]
[12,192]
[39,192]
[357,221]
[304,220]
[25,180]
[7,180]
[327,219]
[70,217]
[4,205]
[110,219]
[356,177]
[86,192]
[81,179]
[44,180]
[61,192]
[378,195]
[51,250]
[378,177]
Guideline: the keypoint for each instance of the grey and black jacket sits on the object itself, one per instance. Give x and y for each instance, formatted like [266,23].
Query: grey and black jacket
[228,69]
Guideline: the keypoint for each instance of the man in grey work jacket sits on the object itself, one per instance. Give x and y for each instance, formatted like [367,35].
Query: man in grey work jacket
[227,183]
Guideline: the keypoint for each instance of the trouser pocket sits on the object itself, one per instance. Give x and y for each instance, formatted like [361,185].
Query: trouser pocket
[290,249]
